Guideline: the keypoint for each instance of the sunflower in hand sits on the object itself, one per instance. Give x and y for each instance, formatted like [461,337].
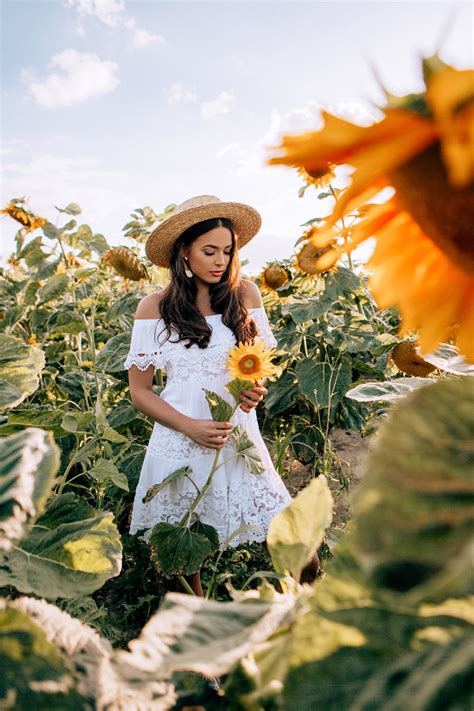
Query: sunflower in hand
[251,362]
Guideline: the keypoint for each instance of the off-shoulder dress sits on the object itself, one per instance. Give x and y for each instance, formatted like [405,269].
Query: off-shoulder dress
[236,497]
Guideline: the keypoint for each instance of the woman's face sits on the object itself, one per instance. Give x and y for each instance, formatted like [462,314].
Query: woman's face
[209,255]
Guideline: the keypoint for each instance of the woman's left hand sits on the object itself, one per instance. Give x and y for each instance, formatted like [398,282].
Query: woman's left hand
[251,397]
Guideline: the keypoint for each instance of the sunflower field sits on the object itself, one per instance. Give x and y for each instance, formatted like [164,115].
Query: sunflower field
[379,355]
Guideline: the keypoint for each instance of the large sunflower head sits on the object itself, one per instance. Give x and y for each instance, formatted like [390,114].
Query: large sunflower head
[274,276]
[424,148]
[407,360]
[126,263]
[307,259]
[319,177]
[252,361]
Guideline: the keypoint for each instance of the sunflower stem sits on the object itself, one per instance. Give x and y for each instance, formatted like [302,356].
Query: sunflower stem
[187,516]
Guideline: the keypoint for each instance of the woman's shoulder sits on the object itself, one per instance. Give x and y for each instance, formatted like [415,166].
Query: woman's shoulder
[250,294]
[149,306]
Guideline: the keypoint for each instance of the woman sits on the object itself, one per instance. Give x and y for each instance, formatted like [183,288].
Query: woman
[187,329]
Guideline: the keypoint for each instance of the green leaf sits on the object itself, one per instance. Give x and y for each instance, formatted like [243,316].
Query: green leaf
[324,384]
[67,559]
[179,551]
[112,435]
[35,675]
[156,488]
[72,209]
[66,321]
[312,309]
[282,394]
[28,462]
[221,410]
[70,422]
[237,386]
[297,532]
[413,510]
[342,282]
[208,531]
[38,416]
[246,449]
[112,356]
[106,471]
[54,288]
[440,677]
[312,221]
[20,366]
[388,390]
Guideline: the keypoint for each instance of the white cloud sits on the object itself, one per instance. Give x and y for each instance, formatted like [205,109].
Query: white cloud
[84,75]
[113,14]
[177,94]
[218,107]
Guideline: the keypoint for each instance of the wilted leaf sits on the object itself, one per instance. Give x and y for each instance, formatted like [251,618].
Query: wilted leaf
[296,532]
[28,463]
[156,488]
[246,449]
[447,358]
[92,660]
[34,673]
[192,634]
[386,391]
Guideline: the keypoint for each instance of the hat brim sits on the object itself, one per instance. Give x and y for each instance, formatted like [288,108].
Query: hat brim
[159,245]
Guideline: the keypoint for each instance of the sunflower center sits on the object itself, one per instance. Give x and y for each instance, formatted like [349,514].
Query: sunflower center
[249,364]
[445,214]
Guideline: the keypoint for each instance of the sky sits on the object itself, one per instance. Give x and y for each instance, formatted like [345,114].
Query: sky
[121,104]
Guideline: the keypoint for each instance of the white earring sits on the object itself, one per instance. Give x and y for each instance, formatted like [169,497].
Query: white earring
[187,271]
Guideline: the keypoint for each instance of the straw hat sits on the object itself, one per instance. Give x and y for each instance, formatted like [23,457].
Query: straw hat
[159,245]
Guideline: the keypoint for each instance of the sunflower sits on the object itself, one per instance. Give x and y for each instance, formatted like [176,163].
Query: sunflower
[319,177]
[126,263]
[306,260]
[251,361]
[274,276]
[27,219]
[407,360]
[424,148]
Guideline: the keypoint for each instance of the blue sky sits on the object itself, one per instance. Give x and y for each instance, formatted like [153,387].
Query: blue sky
[119,104]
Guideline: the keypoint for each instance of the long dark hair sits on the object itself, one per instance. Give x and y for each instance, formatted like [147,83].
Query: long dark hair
[178,304]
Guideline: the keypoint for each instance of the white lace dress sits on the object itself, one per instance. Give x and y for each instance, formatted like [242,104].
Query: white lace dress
[236,497]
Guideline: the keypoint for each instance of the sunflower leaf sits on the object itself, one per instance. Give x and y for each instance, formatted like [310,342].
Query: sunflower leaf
[246,449]
[221,410]
[156,488]
[237,386]
[176,550]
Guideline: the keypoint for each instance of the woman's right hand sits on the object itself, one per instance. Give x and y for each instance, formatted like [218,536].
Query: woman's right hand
[208,433]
